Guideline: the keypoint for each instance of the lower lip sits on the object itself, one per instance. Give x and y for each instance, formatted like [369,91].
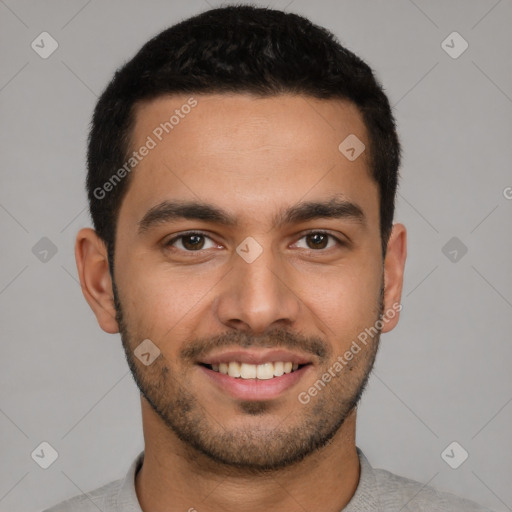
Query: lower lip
[255,389]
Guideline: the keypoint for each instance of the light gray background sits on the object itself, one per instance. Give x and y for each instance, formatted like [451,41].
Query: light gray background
[442,375]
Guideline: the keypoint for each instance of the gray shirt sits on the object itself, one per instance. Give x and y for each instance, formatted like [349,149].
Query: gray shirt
[378,491]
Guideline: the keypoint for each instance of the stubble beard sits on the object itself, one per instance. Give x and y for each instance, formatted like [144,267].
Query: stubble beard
[254,448]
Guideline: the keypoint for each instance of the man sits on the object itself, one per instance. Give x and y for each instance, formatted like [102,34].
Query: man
[242,171]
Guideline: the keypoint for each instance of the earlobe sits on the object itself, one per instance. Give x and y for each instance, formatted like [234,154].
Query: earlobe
[394,265]
[93,271]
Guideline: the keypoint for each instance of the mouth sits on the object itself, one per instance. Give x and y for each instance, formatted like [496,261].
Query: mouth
[250,375]
[265,371]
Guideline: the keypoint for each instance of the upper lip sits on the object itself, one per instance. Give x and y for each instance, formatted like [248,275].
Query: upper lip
[255,357]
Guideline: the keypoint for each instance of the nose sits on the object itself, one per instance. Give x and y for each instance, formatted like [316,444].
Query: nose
[259,295]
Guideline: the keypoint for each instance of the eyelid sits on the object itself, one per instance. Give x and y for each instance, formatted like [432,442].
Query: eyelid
[339,240]
[184,234]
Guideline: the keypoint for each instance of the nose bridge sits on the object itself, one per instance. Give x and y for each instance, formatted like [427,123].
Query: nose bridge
[256,292]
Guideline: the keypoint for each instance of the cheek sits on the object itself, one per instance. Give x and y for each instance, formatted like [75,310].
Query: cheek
[159,303]
[345,301]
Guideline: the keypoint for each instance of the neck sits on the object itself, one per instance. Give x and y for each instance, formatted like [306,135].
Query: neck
[173,473]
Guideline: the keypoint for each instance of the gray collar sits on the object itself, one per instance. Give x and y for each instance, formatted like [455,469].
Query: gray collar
[364,499]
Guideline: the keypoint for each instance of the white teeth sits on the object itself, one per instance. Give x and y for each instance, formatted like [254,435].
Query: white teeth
[278,369]
[234,369]
[248,371]
[263,371]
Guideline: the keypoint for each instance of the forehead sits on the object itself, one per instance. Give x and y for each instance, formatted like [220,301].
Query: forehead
[246,153]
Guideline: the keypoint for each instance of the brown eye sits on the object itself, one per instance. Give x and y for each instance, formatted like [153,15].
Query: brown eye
[189,242]
[319,240]
[193,242]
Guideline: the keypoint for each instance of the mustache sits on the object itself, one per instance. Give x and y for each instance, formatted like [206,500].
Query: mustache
[277,338]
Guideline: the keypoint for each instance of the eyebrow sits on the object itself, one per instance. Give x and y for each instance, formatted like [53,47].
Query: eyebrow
[168,211]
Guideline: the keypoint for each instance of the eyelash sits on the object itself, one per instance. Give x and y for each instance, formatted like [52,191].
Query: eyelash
[169,243]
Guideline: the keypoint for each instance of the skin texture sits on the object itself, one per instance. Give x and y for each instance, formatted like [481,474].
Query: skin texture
[252,157]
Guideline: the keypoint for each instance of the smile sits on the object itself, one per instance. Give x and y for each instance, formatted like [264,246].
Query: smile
[262,371]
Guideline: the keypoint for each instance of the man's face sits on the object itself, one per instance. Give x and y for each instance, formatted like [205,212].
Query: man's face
[305,284]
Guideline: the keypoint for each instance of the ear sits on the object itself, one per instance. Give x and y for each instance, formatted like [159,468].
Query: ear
[92,263]
[394,265]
